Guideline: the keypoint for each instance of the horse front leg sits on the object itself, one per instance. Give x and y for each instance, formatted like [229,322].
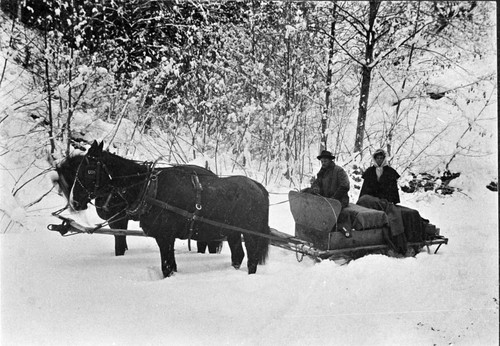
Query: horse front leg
[168,265]
[120,244]
[120,240]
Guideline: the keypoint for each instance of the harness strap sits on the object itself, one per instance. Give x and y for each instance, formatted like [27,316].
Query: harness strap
[198,188]
[167,206]
[149,190]
[195,217]
[106,203]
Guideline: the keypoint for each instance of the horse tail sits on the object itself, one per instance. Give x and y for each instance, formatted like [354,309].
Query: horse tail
[264,241]
[218,248]
[263,244]
[260,243]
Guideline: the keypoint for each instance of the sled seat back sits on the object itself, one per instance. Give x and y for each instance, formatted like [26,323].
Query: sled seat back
[313,211]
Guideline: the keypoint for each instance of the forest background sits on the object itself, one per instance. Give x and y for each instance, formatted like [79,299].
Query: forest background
[260,86]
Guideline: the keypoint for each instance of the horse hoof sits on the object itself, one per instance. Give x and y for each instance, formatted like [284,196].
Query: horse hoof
[236,265]
[252,269]
[168,271]
[168,274]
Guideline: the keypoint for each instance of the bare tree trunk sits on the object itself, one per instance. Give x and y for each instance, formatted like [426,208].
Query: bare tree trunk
[366,75]
[10,45]
[398,107]
[289,93]
[324,118]
[49,99]
[70,105]
[20,5]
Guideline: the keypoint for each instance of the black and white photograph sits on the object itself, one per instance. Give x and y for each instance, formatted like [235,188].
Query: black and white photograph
[195,172]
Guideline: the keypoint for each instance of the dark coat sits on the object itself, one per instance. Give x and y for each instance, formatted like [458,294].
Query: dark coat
[386,187]
[333,182]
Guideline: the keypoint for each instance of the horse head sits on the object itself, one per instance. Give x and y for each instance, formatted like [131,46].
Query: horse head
[91,177]
[66,173]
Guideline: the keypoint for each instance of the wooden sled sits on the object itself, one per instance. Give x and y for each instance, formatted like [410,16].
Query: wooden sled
[323,230]
[353,231]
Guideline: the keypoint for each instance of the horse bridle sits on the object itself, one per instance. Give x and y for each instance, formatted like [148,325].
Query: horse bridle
[92,175]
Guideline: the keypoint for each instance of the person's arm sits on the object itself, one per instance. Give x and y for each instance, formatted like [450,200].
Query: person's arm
[315,188]
[366,188]
[393,186]
[396,174]
[344,184]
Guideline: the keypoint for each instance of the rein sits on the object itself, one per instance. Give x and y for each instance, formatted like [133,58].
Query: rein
[96,174]
[145,198]
[150,187]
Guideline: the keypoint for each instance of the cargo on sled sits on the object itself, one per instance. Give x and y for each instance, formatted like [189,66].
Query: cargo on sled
[355,231]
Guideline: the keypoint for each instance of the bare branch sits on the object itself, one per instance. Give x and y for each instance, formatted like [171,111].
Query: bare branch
[38,200]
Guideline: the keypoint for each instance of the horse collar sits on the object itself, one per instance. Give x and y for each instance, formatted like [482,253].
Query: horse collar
[149,191]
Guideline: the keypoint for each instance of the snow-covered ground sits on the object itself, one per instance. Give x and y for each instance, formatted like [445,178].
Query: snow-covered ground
[74,291]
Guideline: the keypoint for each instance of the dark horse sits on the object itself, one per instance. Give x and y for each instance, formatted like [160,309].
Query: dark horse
[113,208]
[168,200]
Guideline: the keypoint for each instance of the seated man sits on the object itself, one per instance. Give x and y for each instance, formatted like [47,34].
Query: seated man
[380,191]
[332,181]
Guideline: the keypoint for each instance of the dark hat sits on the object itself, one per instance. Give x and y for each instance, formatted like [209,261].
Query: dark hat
[326,154]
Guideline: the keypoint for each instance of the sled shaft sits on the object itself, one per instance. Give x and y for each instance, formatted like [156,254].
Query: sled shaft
[73,227]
